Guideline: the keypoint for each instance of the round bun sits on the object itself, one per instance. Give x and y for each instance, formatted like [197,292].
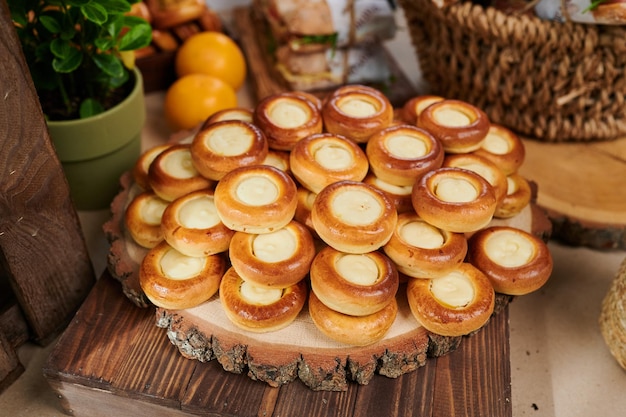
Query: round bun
[356,112]
[143,219]
[142,165]
[455,304]
[354,284]
[421,250]
[172,174]
[190,224]
[278,159]
[401,154]
[352,330]
[518,196]
[166,15]
[504,148]
[317,102]
[454,199]
[400,196]
[233,113]
[322,159]
[223,146]
[516,262]
[260,309]
[415,106]
[285,118]
[459,126]
[175,281]
[483,167]
[256,199]
[278,259]
[304,206]
[353,217]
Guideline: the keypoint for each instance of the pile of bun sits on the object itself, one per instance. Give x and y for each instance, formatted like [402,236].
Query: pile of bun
[334,208]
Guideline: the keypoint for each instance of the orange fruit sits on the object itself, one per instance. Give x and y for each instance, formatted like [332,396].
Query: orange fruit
[212,53]
[191,99]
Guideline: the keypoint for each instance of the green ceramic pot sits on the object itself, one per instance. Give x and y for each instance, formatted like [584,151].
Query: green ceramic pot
[96,151]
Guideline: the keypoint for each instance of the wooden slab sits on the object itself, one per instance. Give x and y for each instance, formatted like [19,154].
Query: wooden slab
[113,360]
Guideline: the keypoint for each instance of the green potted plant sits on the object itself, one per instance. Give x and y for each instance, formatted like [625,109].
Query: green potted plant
[81,58]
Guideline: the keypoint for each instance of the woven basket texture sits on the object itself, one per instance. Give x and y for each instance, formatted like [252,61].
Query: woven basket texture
[613,316]
[555,82]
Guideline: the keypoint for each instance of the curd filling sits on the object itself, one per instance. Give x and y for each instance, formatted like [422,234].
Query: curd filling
[229,140]
[152,210]
[509,249]
[288,115]
[454,289]
[357,107]
[333,157]
[275,246]
[255,294]
[479,169]
[451,117]
[496,144]
[455,190]
[425,103]
[179,165]
[403,146]
[356,207]
[177,266]
[392,188]
[199,213]
[421,235]
[257,190]
[275,161]
[358,269]
[511,186]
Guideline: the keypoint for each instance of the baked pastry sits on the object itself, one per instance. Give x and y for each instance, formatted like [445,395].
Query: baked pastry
[400,196]
[460,126]
[414,106]
[223,146]
[142,219]
[504,148]
[454,304]
[260,309]
[172,173]
[401,154]
[317,102]
[285,118]
[516,262]
[142,165]
[518,196]
[303,208]
[356,112]
[352,330]
[454,199]
[275,260]
[190,224]
[321,159]
[421,250]
[354,284]
[175,281]
[278,159]
[256,199]
[234,113]
[353,217]
[483,167]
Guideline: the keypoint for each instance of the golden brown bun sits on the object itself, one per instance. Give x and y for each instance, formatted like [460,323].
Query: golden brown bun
[401,154]
[434,200]
[354,284]
[483,167]
[504,148]
[278,159]
[190,224]
[319,160]
[285,118]
[421,250]
[164,40]
[142,165]
[356,112]
[172,173]
[256,199]
[516,262]
[353,217]
[175,281]
[460,126]
[303,209]
[400,196]
[518,196]
[277,260]
[223,146]
[352,330]
[167,14]
[143,219]
[317,102]
[257,317]
[414,106]
[466,315]
[234,113]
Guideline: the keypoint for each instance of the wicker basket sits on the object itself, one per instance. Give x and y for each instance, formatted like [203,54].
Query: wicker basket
[552,81]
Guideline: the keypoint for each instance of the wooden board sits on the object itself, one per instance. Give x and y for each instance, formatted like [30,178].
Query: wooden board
[113,360]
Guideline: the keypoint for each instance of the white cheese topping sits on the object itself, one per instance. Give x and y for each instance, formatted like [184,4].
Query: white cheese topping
[421,235]
[480,169]
[453,289]
[152,210]
[199,213]
[229,140]
[358,269]
[509,249]
[333,156]
[275,161]
[357,107]
[255,294]
[177,266]
[179,165]
[356,207]
[511,186]
[496,144]
[257,190]
[275,246]
[455,190]
[288,115]
[448,116]
[403,146]
[393,189]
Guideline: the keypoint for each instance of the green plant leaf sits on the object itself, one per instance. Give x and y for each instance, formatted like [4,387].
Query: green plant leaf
[60,48]
[69,62]
[90,107]
[137,37]
[95,13]
[110,64]
[104,44]
[116,6]
[50,23]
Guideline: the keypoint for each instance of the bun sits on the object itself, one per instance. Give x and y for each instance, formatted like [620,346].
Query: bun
[415,106]
[504,148]
[143,219]
[400,196]
[518,196]
[235,113]
[169,14]
[483,167]
[278,159]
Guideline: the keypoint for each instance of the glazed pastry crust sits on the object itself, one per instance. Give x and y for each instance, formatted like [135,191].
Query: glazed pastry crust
[504,148]
[518,196]
[143,219]
[483,167]
[142,165]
